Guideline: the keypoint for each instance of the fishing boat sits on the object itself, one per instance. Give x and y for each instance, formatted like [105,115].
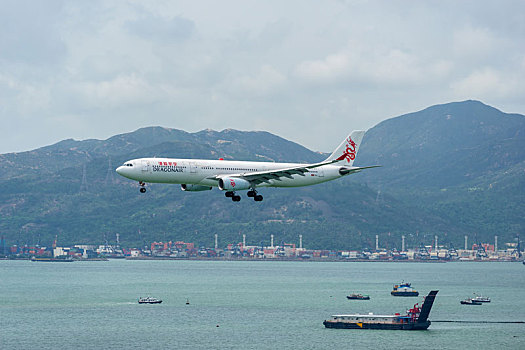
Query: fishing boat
[470,301]
[404,289]
[358,296]
[416,318]
[149,300]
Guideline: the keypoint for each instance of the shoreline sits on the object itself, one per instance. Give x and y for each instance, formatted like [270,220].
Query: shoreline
[270,259]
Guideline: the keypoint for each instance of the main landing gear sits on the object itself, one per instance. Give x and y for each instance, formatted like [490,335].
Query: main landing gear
[256,197]
[251,193]
[142,187]
[233,196]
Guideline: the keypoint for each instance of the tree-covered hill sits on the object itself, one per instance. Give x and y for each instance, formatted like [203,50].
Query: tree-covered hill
[450,170]
[462,161]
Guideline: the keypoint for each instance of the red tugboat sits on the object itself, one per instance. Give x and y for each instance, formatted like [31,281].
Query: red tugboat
[415,319]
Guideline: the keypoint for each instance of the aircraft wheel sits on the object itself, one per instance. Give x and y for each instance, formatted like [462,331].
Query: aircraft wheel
[143,190]
[258,198]
[229,194]
[251,193]
[236,198]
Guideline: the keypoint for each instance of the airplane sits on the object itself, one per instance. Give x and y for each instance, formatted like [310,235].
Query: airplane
[231,176]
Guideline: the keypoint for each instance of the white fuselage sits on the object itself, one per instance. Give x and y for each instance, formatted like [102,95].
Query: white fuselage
[204,172]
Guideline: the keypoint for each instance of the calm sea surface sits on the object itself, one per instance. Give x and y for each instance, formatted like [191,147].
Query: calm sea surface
[250,305]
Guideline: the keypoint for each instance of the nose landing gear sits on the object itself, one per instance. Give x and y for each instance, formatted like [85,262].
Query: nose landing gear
[142,187]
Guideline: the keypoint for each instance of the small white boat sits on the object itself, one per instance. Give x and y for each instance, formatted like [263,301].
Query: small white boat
[149,300]
[481,299]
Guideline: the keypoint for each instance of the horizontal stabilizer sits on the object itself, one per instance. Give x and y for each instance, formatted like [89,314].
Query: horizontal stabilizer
[353,170]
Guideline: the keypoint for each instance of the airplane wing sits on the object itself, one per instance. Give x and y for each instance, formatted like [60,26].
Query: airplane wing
[259,177]
[347,151]
[264,176]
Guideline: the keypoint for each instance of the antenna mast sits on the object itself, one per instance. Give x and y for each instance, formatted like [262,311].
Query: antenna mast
[110,179]
[84,185]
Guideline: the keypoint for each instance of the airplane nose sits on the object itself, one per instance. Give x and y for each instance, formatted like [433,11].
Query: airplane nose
[120,170]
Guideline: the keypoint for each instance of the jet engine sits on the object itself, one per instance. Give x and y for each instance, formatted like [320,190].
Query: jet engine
[194,188]
[345,171]
[233,184]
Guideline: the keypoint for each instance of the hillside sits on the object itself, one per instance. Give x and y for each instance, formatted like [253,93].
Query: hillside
[451,170]
[463,161]
[38,207]
[444,145]
[228,144]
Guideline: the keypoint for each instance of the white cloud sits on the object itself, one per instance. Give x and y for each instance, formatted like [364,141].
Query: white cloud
[249,64]
[22,100]
[368,66]
[488,84]
[267,81]
[332,68]
[166,31]
[395,66]
[113,93]
[474,43]
[30,33]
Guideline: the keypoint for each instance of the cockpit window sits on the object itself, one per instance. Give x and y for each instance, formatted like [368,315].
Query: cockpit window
[128,164]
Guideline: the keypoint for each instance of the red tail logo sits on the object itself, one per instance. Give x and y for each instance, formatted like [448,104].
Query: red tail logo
[349,153]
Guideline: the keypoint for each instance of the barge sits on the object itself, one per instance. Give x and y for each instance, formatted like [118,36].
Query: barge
[416,318]
[48,259]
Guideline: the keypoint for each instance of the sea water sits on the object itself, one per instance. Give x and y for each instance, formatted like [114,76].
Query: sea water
[251,304]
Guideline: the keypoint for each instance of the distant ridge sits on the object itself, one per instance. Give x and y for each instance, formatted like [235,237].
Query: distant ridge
[445,145]
[157,141]
[448,170]
[463,161]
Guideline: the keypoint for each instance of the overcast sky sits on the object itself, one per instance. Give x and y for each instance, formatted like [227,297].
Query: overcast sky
[309,71]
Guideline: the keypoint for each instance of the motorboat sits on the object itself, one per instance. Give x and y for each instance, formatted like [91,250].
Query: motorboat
[358,296]
[470,301]
[149,300]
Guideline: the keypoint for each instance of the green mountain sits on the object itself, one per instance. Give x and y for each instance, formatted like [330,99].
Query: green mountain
[462,161]
[445,145]
[228,144]
[450,170]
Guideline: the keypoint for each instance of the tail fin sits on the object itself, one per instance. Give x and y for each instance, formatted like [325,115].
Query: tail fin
[427,305]
[347,150]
